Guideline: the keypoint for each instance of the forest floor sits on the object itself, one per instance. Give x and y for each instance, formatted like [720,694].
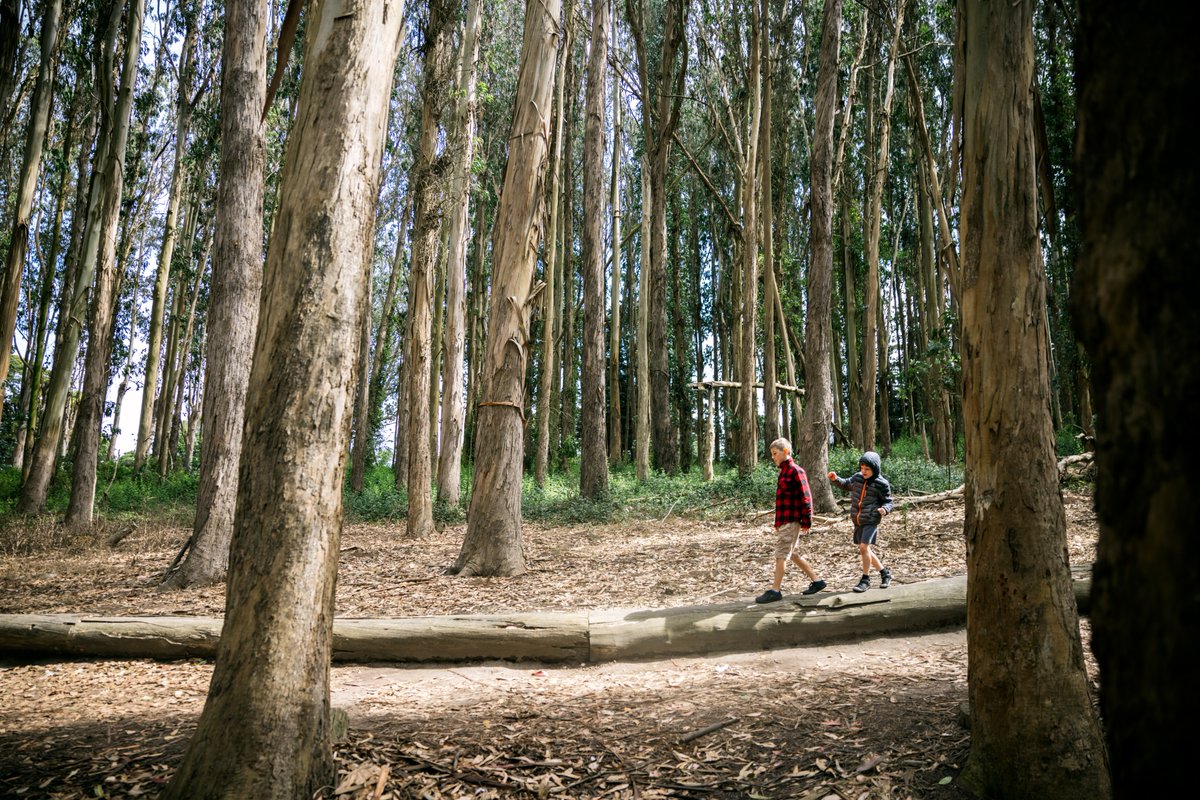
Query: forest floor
[873,718]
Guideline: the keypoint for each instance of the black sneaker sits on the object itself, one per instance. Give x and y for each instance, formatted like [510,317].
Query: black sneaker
[814,587]
[885,578]
[769,596]
[863,584]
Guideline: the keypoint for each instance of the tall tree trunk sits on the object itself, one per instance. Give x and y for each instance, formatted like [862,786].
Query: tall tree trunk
[661,102]
[475,324]
[593,462]
[874,222]
[679,338]
[547,382]
[183,117]
[265,729]
[74,304]
[186,348]
[642,436]
[429,207]
[360,426]
[493,545]
[234,288]
[1133,300]
[770,290]
[90,415]
[615,445]
[1019,596]
[748,313]
[854,387]
[35,136]
[568,395]
[812,448]
[46,283]
[449,476]
[437,330]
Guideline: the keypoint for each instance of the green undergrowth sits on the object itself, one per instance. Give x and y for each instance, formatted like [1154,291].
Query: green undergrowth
[124,495]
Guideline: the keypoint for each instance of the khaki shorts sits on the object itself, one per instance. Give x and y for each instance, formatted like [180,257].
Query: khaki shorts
[787,536]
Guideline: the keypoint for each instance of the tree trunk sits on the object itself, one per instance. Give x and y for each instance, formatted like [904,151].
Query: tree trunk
[1133,291]
[186,347]
[547,380]
[449,476]
[493,545]
[679,338]
[665,94]
[427,217]
[265,730]
[74,305]
[478,286]
[234,289]
[41,328]
[615,444]
[90,415]
[593,462]
[873,289]
[812,448]
[1028,686]
[642,436]
[360,426]
[163,276]
[770,290]
[568,435]
[854,387]
[35,136]
[748,313]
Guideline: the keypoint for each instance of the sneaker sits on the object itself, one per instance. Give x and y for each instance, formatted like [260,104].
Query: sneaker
[863,584]
[885,578]
[769,596]
[814,587]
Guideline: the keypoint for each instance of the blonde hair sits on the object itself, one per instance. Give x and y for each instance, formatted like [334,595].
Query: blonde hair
[781,444]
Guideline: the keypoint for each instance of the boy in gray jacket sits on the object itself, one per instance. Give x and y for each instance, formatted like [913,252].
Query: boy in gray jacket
[870,501]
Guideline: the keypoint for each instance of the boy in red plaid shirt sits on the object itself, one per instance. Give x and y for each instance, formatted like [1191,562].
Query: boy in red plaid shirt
[793,516]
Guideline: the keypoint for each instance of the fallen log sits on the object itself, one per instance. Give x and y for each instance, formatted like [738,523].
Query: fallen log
[579,637]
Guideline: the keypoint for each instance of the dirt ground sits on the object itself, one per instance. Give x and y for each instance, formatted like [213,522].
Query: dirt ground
[877,718]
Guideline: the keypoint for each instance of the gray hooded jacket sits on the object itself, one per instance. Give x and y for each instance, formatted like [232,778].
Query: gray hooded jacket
[867,496]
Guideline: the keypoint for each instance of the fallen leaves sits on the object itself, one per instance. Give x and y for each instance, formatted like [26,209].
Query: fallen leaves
[873,721]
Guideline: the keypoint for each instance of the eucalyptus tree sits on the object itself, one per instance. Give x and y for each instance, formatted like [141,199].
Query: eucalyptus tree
[615,447]
[1132,304]
[234,291]
[1028,686]
[593,465]
[31,166]
[449,472]
[493,544]
[549,369]
[661,97]
[878,169]
[59,171]
[185,104]
[748,313]
[96,263]
[812,445]
[265,729]
[429,208]
[642,415]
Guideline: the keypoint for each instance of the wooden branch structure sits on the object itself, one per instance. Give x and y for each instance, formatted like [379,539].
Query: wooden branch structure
[705,385]
[566,637]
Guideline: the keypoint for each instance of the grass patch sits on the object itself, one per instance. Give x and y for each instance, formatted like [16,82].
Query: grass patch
[126,496]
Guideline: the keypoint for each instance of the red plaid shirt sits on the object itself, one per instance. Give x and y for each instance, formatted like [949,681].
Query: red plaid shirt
[793,500]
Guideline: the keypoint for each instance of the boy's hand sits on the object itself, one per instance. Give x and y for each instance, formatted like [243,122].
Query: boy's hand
[805,531]
[832,475]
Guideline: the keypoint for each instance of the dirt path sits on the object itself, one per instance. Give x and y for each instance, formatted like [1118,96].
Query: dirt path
[876,718]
